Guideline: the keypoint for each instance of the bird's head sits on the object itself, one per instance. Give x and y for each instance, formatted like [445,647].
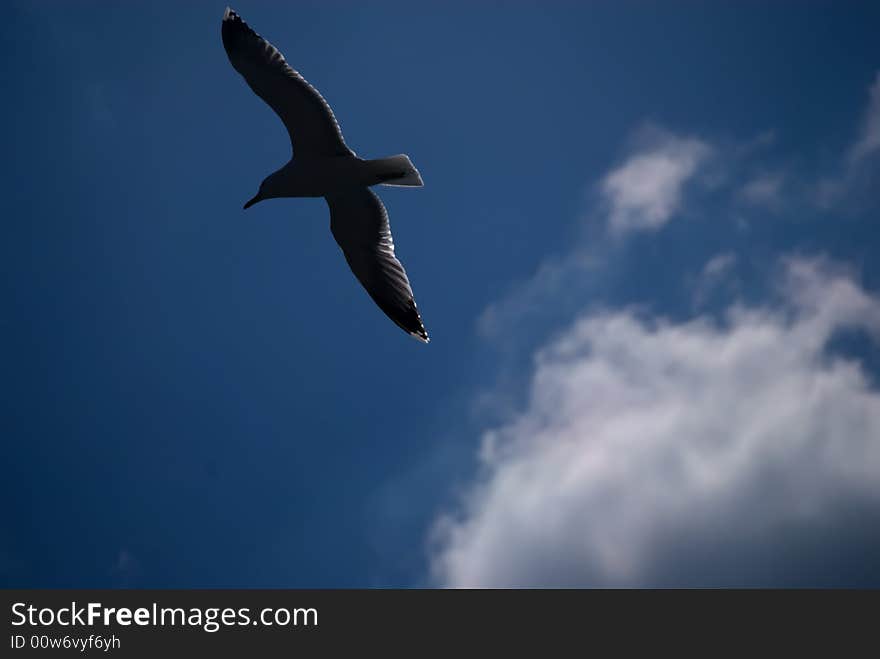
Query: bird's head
[270,188]
[261,194]
[250,202]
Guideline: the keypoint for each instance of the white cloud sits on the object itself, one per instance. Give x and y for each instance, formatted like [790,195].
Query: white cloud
[869,139]
[646,190]
[717,276]
[699,452]
[719,265]
[653,452]
[764,190]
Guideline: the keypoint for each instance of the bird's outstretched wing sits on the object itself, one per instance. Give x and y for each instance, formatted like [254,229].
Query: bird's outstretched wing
[359,223]
[309,120]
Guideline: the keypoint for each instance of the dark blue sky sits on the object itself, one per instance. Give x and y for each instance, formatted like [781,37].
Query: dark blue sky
[194,395]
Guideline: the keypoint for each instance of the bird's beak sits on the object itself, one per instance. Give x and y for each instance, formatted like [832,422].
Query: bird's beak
[251,202]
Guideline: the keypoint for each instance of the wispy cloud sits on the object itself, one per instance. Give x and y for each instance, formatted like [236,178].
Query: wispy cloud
[558,278]
[868,141]
[717,276]
[645,191]
[719,265]
[764,190]
[654,452]
[857,169]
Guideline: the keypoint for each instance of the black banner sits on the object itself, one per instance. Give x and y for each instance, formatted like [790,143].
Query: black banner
[133,623]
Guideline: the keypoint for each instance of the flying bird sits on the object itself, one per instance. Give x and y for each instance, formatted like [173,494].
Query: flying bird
[324,166]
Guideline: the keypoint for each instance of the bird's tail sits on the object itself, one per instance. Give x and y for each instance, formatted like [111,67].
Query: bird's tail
[397,170]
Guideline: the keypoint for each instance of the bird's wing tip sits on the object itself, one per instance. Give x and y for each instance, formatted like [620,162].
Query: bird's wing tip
[230,15]
[421,336]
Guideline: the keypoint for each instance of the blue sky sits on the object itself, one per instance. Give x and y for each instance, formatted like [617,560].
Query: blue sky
[645,253]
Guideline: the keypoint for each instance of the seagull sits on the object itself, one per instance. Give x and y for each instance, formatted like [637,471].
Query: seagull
[324,166]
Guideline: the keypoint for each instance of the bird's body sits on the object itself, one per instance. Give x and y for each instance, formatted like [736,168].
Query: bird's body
[323,175]
[324,166]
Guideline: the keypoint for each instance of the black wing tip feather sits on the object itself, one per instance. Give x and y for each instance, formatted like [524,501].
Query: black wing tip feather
[231,19]
[421,333]
[234,29]
[413,326]
[422,336]
[418,330]
[406,318]
[234,25]
[405,315]
[231,15]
